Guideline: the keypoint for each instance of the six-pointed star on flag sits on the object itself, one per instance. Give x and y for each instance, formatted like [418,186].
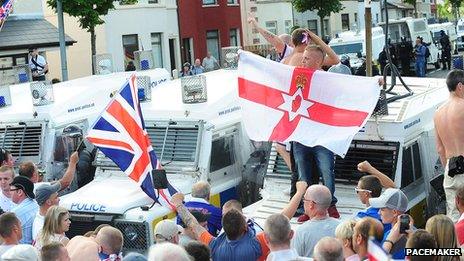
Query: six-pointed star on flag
[295,105]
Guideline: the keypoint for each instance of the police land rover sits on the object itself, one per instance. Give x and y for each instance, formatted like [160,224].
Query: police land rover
[43,123]
[398,140]
[195,128]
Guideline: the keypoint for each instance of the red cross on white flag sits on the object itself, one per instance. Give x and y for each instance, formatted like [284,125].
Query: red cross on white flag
[284,103]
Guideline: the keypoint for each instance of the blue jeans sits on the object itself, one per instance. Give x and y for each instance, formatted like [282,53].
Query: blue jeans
[420,69]
[324,160]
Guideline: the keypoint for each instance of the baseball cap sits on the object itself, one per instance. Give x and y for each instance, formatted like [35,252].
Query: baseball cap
[199,215]
[391,198]
[167,229]
[25,184]
[44,191]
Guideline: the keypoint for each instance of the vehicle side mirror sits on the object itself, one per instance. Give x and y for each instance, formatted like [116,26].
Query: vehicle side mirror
[160,181]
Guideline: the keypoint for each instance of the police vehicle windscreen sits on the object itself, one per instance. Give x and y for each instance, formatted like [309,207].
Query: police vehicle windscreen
[347,48]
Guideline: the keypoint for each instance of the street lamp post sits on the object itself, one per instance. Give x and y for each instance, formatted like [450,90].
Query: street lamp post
[64,66]
[368,35]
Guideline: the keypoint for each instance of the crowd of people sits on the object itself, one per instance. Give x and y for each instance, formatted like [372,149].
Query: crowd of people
[205,232]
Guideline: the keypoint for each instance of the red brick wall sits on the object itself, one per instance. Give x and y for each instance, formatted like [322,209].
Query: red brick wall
[195,20]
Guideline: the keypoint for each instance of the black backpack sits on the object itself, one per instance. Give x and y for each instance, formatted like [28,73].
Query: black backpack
[427,52]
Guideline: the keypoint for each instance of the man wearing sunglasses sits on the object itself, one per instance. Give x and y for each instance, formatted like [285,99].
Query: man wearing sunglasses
[370,186]
[317,201]
[22,194]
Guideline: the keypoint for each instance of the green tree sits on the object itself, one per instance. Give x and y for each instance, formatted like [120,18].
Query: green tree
[455,4]
[89,13]
[413,3]
[323,7]
[293,29]
[445,10]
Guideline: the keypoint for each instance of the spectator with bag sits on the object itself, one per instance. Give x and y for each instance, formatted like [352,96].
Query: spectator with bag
[37,64]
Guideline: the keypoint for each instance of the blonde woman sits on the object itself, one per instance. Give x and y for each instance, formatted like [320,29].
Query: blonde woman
[442,229]
[344,232]
[56,223]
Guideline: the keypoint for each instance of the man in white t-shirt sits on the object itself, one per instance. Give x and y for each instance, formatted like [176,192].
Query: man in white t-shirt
[6,176]
[46,196]
[38,65]
[10,231]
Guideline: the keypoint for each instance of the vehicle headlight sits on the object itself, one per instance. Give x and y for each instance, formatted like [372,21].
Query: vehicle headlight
[131,233]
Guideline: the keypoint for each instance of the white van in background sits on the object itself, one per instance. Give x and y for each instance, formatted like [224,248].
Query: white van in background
[411,29]
[460,34]
[448,28]
[353,44]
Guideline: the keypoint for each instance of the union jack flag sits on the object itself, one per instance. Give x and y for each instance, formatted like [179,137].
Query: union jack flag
[120,134]
[5,10]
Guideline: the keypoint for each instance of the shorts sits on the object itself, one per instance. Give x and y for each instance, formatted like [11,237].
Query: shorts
[451,184]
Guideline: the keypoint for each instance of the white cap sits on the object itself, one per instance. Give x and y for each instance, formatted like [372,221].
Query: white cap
[20,253]
[391,198]
[167,229]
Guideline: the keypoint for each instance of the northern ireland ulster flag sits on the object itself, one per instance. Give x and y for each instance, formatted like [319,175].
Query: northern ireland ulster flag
[284,103]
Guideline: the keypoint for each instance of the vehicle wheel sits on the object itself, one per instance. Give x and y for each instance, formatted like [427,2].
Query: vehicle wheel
[437,65]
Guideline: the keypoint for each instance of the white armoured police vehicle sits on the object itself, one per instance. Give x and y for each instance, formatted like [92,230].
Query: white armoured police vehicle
[194,126]
[410,29]
[43,123]
[460,34]
[399,141]
[353,44]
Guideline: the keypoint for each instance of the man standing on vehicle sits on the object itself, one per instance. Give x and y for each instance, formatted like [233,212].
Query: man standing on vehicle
[324,160]
[449,120]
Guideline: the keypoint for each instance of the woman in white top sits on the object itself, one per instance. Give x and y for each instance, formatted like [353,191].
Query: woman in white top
[56,223]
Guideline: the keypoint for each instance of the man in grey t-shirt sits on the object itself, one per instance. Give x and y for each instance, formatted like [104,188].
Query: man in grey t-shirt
[316,202]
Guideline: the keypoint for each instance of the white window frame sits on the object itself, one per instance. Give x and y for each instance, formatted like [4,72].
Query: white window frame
[153,37]
[271,26]
[288,26]
[209,2]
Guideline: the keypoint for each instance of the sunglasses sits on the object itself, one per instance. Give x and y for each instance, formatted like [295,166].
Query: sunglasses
[309,200]
[357,190]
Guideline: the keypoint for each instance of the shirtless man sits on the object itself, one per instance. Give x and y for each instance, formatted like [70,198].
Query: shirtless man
[285,46]
[280,43]
[449,120]
[107,245]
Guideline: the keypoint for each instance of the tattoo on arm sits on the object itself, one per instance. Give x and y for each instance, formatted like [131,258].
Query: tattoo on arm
[272,39]
[268,35]
[189,220]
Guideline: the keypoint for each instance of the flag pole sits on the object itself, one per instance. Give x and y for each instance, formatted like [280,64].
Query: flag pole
[1,25]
